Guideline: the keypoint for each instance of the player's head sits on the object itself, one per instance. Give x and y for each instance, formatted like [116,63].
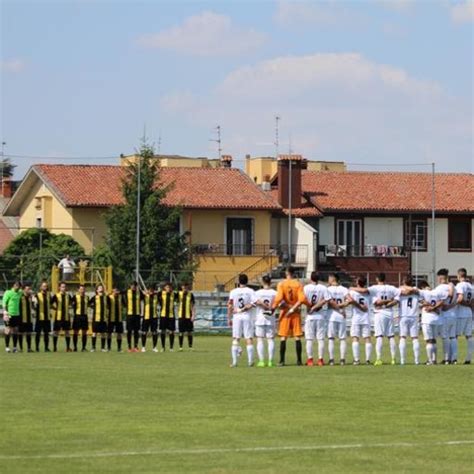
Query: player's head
[134,285]
[408,280]
[243,279]
[62,287]
[423,284]
[16,285]
[116,290]
[290,272]
[151,289]
[44,286]
[462,274]
[185,286]
[315,277]
[333,279]
[266,280]
[381,278]
[168,287]
[443,274]
[99,289]
[27,289]
[82,289]
[361,281]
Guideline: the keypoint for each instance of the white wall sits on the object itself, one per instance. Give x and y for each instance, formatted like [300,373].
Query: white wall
[303,233]
[326,231]
[383,231]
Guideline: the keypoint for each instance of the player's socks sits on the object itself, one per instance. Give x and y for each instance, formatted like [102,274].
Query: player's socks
[470,349]
[7,341]
[234,352]
[446,349]
[94,340]
[20,341]
[119,344]
[135,339]
[453,349]
[181,340]
[393,347]
[416,350]
[260,349]
[250,354]
[368,351]
[143,340]
[129,339]
[331,349]
[282,351]
[355,350]
[46,341]
[402,347]
[171,341]
[37,341]
[28,342]
[190,341]
[271,349]
[321,349]
[163,340]
[55,343]
[435,352]
[299,352]
[75,338]
[155,339]
[429,351]
[378,348]
[84,341]
[309,348]
[109,342]
[68,342]
[343,348]
[102,343]
[15,340]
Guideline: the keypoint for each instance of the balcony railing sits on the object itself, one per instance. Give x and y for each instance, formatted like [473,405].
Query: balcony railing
[364,251]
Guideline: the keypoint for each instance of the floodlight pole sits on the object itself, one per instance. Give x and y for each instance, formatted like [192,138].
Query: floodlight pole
[290,193]
[137,261]
[433,225]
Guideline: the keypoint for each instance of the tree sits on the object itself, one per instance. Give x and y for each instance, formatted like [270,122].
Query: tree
[7,168]
[162,247]
[31,255]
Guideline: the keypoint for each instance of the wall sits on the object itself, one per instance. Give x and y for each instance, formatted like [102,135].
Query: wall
[383,231]
[258,168]
[326,231]
[92,224]
[305,234]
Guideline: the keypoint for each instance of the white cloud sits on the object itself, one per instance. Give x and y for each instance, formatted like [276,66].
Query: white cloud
[206,34]
[12,65]
[463,12]
[337,106]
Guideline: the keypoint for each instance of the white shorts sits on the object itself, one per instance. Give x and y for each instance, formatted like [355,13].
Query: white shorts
[267,330]
[242,327]
[360,330]
[464,327]
[383,326]
[409,326]
[430,331]
[315,329]
[337,329]
[448,328]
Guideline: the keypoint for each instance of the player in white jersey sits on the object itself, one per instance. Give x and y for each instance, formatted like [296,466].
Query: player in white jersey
[464,310]
[384,298]
[315,297]
[430,316]
[265,322]
[337,318]
[409,324]
[447,327]
[360,325]
[241,301]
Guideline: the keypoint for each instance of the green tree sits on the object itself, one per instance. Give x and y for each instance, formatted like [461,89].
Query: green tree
[31,255]
[6,168]
[162,247]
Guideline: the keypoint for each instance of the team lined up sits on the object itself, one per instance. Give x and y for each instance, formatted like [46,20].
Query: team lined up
[146,312]
[445,312]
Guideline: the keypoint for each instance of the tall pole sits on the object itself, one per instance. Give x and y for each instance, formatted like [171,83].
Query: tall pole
[277,136]
[2,164]
[290,192]
[137,261]
[433,225]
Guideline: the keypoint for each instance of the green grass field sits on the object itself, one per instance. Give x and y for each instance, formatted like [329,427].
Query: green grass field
[189,412]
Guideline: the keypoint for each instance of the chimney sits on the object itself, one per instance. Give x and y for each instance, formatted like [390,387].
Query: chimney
[298,163]
[226,161]
[266,185]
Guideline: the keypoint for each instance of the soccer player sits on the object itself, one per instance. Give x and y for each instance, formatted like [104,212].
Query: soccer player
[409,319]
[42,305]
[337,317]
[241,301]
[265,321]
[166,300]
[430,309]
[186,315]
[150,318]
[289,299]
[11,312]
[133,302]
[464,293]
[61,302]
[26,313]
[316,296]
[100,305]
[360,324]
[448,313]
[115,319]
[80,323]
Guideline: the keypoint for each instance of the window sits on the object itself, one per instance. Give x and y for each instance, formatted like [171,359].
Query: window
[39,222]
[239,236]
[416,234]
[459,234]
[349,236]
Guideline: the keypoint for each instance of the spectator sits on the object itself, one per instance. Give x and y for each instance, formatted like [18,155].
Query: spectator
[67,266]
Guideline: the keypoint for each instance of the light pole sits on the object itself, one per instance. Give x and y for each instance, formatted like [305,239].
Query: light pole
[2,162]
[433,225]
[137,261]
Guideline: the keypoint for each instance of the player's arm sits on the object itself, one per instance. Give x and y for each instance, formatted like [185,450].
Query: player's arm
[354,302]
[5,301]
[280,297]
[230,312]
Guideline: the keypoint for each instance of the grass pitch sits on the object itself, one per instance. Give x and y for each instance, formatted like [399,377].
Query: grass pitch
[189,412]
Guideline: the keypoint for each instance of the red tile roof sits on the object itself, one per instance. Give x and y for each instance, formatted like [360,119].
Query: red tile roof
[6,236]
[388,192]
[99,186]
[306,209]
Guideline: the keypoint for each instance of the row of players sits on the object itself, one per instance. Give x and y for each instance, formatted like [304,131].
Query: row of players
[446,313]
[147,312]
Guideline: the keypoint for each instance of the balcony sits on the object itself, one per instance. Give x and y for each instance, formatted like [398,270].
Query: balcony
[368,250]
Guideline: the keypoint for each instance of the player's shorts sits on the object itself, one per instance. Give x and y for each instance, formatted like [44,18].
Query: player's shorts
[14,322]
[242,327]
[168,324]
[464,327]
[315,329]
[448,328]
[26,327]
[43,326]
[150,325]
[383,326]
[409,327]
[115,326]
[99,327]
[267,330]
[430,331]
[360,330]
[61,325]
[337,329]
[80,322]
[290,326]
[185,325]
[133,323]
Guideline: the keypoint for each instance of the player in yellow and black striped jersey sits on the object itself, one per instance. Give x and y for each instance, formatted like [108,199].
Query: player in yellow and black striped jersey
[133,307]
[80,322]
[61,303]
[186,315]
[166,301]
[100,307]
[42,306]
[150,318]
[26,314]
[115,321]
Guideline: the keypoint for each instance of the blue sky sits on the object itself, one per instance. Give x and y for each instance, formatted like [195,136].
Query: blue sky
[360,81]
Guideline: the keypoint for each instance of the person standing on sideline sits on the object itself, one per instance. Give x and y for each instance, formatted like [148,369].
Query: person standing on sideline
[80,323]
[61,303]
[67,267]
[11,312]
[26,313]
[166,300]
[133,303]
[186,315]
[42,305]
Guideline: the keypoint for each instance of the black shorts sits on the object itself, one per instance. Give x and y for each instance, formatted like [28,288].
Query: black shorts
[80,322]
[185,325]
[133,323]
[43,326]
[14,322]
[61,325]
[115,326]
[150,325]
[26,327]
[99,327]
[168,324]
